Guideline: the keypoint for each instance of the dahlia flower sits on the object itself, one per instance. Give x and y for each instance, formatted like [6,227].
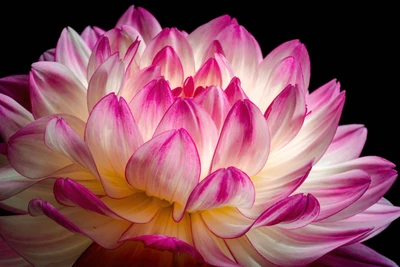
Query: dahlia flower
[143,145]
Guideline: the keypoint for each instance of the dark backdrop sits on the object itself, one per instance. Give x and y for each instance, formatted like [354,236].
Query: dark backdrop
[356,45]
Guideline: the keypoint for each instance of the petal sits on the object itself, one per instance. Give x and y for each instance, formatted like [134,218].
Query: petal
[312,140]
[137,208]
[171,66]
[48,55]
[167,167]
[324,94]
[17,87]
[9,257]
[216,103]
[202,37]
[149,106]
[106,79]
[142,20]
[133,84]
[301,246]
[101,52]
[336,192]
[214,48]
[213,249]
[285,72]
[356,255]
[293,48]
[41,241]
[224,187]
[12,117]
[131,58]
[226,69]
[90,35]
[187,114]
[292,212]
[242,51]
[112,136]
[73,53]
[208,74]
[175,39]
[51,84]
[82,222]
[244,141]
[285,116]
[234,91]
[347,144]
[382,178]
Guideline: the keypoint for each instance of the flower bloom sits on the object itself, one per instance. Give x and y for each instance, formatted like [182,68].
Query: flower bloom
[143,145]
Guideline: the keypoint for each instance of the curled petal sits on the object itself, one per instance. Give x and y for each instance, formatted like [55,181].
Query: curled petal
[73,52]
[244,141]
[101,52]
[51,84]
[167,167]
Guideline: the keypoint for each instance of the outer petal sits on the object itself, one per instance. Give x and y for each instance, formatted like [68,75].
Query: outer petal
[149,106]
[12,117]
[187,114]
[224,187]
[48,55]
[82,222]
[202,37]
[324,94]
[73,52]
[51,84]
[41,241]
[355,255]
[214,100]
[347,144]
[175,39]
[167,167]
[285,116]
[112,136]
[244,141]
[142,20]
[106,79]
[171,66]
[17,87]
[91,34]
[242,51]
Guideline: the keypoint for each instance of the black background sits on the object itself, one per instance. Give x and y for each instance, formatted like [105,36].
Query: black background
[355,44]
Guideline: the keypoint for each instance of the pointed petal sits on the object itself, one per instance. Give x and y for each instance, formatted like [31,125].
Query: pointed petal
[171,66]
[244,141]
[107,79]
[51,84]
[208,74]
[224,187]
[101,52]
[112,136]
[214,48]
[90,35]
[293,48]
[298,247]
[137,208]
[216,103]
[167,167]
[347,144]
[17,87]
[149,106]
[26,235]
[131,58]
[292,212]
[285,116]
[82,222]
[133,84]
[121,39]
[73,53]
[213,249]
[324,94]
[187,114]
[226,69]
[356,255]
[175,39]
[142,20]
[242,51]
[202,37]
[12,117]
[234,91]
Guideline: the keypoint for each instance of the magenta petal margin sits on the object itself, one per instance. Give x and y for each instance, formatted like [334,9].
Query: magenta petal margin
[153,146]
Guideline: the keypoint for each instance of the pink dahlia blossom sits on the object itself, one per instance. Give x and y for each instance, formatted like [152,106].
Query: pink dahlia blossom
[144,145]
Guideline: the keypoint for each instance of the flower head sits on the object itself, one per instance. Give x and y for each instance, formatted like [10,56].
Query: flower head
[149,145]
